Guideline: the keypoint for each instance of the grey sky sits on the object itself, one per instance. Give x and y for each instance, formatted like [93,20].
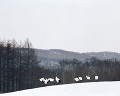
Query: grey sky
[74,25]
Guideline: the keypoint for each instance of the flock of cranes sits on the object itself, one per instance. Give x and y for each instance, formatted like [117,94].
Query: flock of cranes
[87,77]
[45,81]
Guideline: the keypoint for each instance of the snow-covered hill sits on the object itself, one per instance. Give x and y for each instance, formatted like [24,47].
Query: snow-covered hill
[78,89]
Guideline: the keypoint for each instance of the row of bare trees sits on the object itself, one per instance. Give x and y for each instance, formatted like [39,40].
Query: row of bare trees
[18,63]
[107,70]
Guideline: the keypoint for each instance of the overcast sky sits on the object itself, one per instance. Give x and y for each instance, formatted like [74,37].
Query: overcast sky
[73,25]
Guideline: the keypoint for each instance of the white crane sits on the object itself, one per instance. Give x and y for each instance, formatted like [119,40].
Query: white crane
[80,78]
[45,81]
[51,79]
[76,79]
[88,77]
[41,79]
[96,77]
[57,79]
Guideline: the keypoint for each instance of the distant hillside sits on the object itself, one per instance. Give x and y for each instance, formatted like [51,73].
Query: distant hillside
[50,58]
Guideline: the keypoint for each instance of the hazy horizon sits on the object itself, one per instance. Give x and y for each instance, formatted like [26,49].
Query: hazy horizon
[71,25]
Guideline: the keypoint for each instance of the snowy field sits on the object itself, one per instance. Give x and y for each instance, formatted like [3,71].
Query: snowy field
[77,89]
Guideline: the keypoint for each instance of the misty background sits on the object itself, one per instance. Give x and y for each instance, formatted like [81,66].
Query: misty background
[73,25]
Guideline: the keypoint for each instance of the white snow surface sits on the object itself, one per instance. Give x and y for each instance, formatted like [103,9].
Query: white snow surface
[76,89]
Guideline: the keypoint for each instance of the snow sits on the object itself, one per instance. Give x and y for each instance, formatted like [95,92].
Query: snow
[77,89]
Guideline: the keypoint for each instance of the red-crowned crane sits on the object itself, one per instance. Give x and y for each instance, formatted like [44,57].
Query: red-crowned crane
[96,77]
[41,79]
[57,79]
[80,78]
[76,79]
[88,77]
[51,79]
[45,81]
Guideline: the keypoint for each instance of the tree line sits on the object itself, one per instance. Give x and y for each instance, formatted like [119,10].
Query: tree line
[107,70]
[18,66]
